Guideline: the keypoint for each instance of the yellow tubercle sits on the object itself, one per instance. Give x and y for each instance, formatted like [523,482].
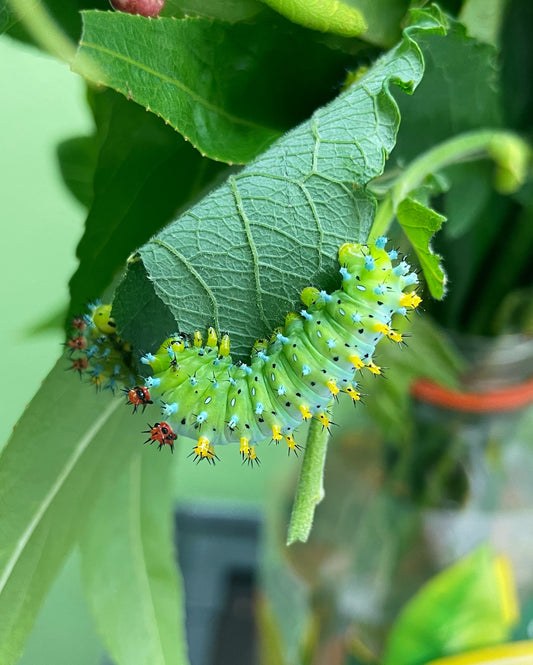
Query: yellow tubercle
[323,417]
[356,362]
[290,441]
[304,410]
[177,345]
[291,317]
[309,296]
[103,320]
[251,456]
[212,339]
[245,447]
[410,300]
[333,388]
[224,346]
[198,340]
[372,367]
[204,450]
[350,390]
[395,336]
[382,328]
[276,433]
[97,381]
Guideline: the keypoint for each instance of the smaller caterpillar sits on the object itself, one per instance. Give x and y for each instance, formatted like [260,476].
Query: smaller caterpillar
[96,350]
[293,376]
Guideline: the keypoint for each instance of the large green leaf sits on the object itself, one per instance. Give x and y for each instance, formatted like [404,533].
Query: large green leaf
[68,445]
[230,89]
[130,569]
[145,173]
[239,258]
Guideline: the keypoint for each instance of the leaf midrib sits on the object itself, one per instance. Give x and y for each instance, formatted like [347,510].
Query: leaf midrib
[54,490]
[139,554]
[168,79]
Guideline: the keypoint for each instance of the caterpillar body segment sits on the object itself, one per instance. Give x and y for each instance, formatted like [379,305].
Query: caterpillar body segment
[293,376]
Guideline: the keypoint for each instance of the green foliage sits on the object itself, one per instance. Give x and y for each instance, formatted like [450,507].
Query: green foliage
[138,160]
[230,81]
[420,224]
[324,15]
[202,77]
[70,444]
[283,217]
[468,605]
[129,566]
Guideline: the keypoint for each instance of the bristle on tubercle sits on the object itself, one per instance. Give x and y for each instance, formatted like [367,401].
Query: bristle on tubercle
[292,376]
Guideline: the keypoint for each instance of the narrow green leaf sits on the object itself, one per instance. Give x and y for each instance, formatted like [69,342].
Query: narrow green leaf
[68,445]
[420,224]
[130,569]
[229,89]
[324,15]
[282,219]
[145,173]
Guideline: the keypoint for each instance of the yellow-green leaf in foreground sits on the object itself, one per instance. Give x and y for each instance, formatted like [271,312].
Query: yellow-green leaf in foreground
[129,567]
[324,15]
[469,605]
[70,443]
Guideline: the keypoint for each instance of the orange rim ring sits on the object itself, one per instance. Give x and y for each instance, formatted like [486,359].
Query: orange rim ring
[507,399]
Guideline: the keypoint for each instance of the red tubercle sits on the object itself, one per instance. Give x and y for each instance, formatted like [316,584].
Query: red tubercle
[148,8]
[77,343]
[138,396]
[162,433]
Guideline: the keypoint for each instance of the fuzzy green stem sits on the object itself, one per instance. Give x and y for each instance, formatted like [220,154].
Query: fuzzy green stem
[510,153]
[310,489]
[49,35]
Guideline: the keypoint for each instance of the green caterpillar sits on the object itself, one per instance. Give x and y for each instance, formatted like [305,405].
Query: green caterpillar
[293,376]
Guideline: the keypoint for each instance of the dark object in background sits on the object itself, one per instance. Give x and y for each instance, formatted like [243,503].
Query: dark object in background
[217,551]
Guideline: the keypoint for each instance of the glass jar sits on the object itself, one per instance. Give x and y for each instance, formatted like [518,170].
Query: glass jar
[396,515]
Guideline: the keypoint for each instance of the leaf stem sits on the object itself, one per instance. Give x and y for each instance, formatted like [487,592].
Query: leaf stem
[49,35]
[500,145]
[310,491]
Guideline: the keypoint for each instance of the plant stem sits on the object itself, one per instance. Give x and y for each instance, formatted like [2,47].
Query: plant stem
[465,147]
[310,489]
